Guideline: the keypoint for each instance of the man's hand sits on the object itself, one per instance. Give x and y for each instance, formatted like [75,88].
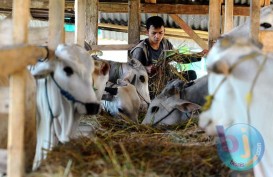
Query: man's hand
[151,69]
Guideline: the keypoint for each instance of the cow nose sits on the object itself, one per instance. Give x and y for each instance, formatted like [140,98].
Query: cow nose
[92,108]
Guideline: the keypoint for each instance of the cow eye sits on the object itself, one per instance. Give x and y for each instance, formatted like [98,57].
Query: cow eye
[120,110]
[142,78]
[68,70]
[155,109]
[266,25]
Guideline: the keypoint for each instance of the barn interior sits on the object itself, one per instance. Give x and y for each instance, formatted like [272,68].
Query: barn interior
[116,147]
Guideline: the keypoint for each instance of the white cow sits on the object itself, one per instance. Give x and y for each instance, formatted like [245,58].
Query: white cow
[168,108]
[125,102]
[266,23]
[64,91]
[238,61]
[127,71]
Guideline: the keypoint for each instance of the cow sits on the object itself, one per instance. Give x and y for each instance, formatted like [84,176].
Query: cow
[266,22]
[240,91]
[168,108]
[189,94]
[100,77]
[127,71]
[122,100]
[64,92]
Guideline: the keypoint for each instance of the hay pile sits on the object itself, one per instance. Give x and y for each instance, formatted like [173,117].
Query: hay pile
[121,148]
[169,68]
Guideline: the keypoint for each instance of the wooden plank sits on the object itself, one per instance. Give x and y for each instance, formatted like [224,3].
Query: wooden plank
[92,22]
[214,21]
[255,19]
[265,37]
[228,25]
[266,2]
[174,8]
[109,7]
[150,1]
[189,31]
[19,57]
[17,110]
[113,47]
[56,25]
[169,32]
[80,21]
[4,97]
[134,22]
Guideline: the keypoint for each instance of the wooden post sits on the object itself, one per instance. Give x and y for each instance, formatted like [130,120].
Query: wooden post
[266,2]
[214,21]
[18,86]
[189,31]
[80,6]
[134,21]
[56,25]
[255,19]
[229,4]
[92,22]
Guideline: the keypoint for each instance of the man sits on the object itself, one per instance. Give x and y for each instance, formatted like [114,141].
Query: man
[149,50]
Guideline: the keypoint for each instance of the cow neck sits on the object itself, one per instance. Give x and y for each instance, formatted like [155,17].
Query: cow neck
[65,93]
[249,95]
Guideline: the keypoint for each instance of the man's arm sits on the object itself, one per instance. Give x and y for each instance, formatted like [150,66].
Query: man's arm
[139,54]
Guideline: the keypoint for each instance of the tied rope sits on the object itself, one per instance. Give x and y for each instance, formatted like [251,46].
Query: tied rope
[249,95]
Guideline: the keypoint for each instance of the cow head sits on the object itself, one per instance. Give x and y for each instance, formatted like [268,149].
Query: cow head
[100,77]
[137,75]
[70,71]
[231,72]
[167,108]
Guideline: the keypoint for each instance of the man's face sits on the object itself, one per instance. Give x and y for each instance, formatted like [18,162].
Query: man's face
[155,34]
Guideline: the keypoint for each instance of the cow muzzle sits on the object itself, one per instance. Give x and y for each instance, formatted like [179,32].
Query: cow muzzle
[92,108]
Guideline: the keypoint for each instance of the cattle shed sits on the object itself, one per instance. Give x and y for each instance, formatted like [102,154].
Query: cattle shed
[202,21]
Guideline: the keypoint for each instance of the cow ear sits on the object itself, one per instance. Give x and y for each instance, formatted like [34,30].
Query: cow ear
[42,69]
[105,68]
[186,106]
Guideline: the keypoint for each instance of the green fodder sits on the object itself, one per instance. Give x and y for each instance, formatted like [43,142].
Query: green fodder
[170,68]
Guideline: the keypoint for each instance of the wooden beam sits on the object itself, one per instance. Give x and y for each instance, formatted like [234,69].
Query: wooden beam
[17,58]
[113,47]
[134,22]
[169,32]
[255,19]
[266,2]
[109,7]
[4,103]
[80,21]
[174,8]
[56,25]
[228,22]
[92,22]
[214,21]
[189,31]
[18,87]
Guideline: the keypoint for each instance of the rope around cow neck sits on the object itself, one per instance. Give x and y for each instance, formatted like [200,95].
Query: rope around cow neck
[249,95]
